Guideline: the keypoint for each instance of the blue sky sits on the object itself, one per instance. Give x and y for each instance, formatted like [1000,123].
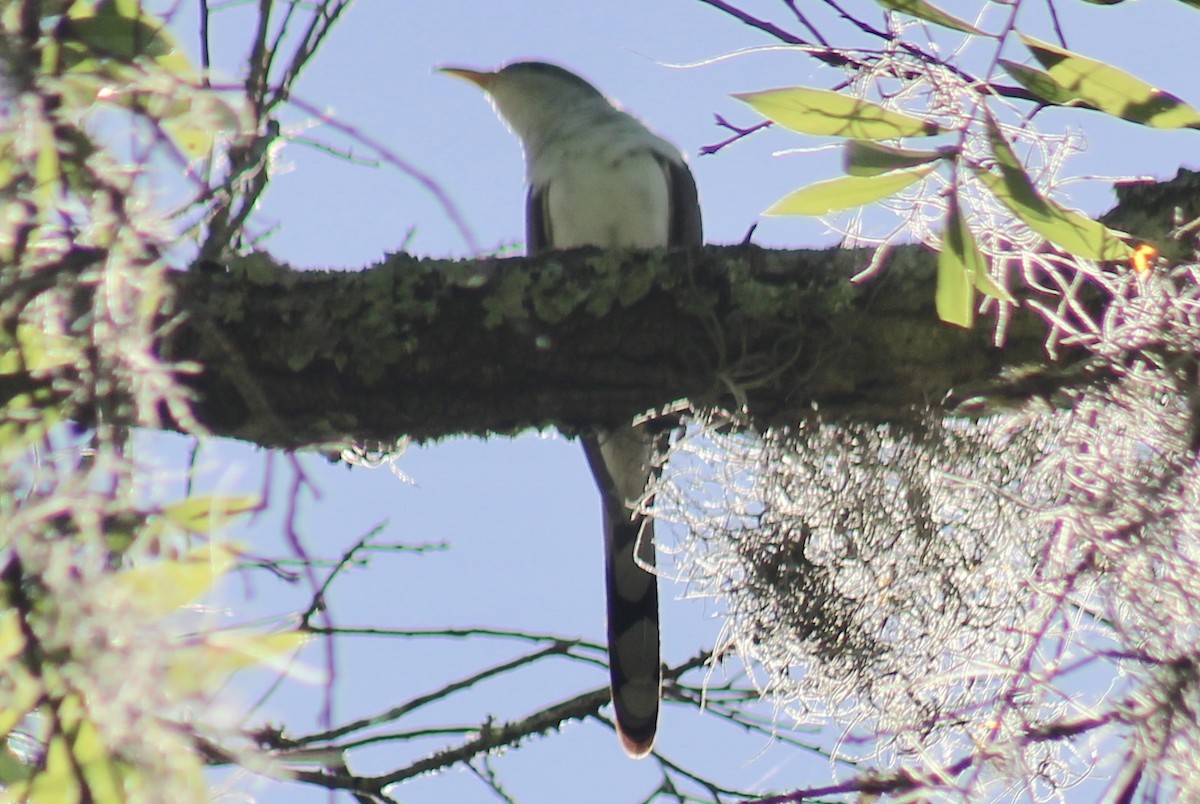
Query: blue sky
[521,516]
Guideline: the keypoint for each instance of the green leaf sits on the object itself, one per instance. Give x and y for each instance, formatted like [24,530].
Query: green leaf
[110,36]
[175,63]
[21,689]
[1069,230]
[988,286]
[166,586]
[1041,84]
[11,361]
[194,131]
[208,665]
[76,757]
[47,169]
[193,141]
[22,694]
[56,780]
[36,351]
[865,158]
[930,13]
[955,296]
[1004,153]
[92,757]
[822,112]
[7,163]
[846,192]
[121,32]
[27,417]
[12,770]
[191,117]
[1110,90]
[966,253]
[959,262]
[12,638]
[206,514]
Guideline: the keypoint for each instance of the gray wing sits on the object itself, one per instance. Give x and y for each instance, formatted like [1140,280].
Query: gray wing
[687,231]
[537,231]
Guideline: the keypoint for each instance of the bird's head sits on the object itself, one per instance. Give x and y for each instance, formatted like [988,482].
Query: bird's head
[533,96]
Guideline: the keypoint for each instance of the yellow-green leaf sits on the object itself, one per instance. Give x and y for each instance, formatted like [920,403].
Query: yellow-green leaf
[930,13]
[115,37]
[44,351]
[209,664]
[972,257]
[192,141]
[205,514]
[22,693]
[822,112]
[98,766]
[11,361]
[1041,84]
[958,262]
[1071,231]
[955,297]
[12,771]
[988,286]
[275,651]
[866,158]
[119,31]
[846,192]
[1111,90]
[12,638]
[57,780]
[7,162]
[193,129]
[74,749]
[48,167]
[164,587]
[27,417]
[177,64]
[1005,156]
[35,351]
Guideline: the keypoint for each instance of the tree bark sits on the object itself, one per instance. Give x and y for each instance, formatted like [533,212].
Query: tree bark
[429,349]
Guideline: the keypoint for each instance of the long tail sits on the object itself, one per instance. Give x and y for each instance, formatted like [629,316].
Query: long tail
[620,460]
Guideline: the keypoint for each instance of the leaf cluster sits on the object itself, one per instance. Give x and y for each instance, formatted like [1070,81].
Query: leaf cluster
[878,170]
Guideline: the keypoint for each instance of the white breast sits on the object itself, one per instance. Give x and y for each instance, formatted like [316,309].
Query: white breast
[617,201]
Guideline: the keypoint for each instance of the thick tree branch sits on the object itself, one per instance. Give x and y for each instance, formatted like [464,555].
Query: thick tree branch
[431,349]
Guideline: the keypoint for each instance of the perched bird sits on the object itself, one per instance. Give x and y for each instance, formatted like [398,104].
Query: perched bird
[598,177]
